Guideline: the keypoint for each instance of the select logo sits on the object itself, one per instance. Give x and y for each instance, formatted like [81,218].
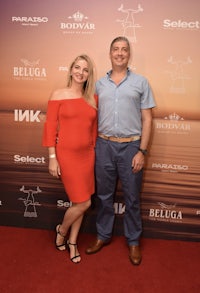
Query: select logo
[29,159]
[181,24]
[63,204]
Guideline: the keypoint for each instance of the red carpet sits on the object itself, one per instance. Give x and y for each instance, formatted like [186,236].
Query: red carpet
[30,263]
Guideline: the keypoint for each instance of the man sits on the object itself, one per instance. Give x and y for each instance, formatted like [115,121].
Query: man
[124,128]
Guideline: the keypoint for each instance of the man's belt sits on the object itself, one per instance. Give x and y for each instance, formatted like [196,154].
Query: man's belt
[119,139]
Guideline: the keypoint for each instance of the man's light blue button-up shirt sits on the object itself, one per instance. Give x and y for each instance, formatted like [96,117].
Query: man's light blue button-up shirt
[119,106]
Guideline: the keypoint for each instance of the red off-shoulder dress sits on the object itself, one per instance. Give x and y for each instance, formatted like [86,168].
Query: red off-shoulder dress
[71,127]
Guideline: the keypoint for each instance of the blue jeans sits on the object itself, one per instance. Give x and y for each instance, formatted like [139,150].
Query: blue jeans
[113,160]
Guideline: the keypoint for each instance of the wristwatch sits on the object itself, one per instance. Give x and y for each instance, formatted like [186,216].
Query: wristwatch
[144,152]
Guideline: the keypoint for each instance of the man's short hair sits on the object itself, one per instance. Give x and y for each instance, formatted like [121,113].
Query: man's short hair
[119,39]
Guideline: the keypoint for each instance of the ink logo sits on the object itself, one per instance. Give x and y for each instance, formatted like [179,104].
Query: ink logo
[166,213]
[128,23]
[173,123]
[177,75]
[78,24]
[181,24]
[29,20]
[28,160]
[29,70]
[29,201]
[27,115]
[119,208]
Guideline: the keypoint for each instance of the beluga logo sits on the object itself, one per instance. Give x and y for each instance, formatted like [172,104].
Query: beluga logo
[166,213]
[29,70]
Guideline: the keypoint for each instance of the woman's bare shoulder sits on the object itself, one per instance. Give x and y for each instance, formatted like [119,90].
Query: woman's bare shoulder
[58,94]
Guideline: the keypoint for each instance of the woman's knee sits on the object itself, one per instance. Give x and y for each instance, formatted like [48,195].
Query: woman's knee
[87,204]
[83,205]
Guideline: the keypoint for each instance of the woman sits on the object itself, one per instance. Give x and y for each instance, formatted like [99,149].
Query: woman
[70,134]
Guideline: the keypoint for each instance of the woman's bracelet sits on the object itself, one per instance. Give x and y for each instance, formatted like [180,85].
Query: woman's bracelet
[52,156]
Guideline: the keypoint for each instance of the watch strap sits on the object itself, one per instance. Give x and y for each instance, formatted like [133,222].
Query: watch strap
[144,152]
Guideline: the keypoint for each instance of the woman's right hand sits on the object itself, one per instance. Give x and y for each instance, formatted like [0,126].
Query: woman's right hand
[54,168]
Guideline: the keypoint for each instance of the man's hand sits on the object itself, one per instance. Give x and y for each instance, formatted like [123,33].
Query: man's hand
[137,162]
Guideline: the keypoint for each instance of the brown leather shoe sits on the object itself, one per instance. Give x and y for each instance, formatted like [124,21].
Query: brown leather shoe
[135,254]
[96,246]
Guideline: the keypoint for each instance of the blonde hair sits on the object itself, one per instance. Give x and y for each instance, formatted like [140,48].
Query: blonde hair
[89,85]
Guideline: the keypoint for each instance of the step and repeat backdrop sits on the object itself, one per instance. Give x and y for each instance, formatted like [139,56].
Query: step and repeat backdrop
[39,39]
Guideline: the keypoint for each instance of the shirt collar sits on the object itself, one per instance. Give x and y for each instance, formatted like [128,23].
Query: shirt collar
[110,71]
